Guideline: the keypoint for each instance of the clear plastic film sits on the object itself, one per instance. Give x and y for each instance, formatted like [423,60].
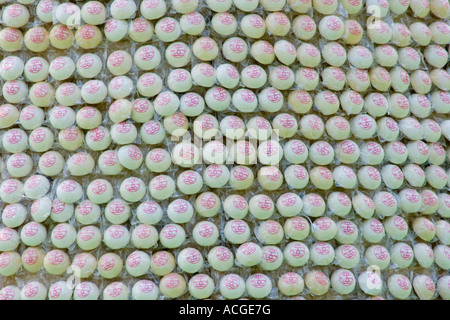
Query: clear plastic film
[174,123]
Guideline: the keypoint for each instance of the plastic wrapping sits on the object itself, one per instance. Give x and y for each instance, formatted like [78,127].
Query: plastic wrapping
[151,202]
